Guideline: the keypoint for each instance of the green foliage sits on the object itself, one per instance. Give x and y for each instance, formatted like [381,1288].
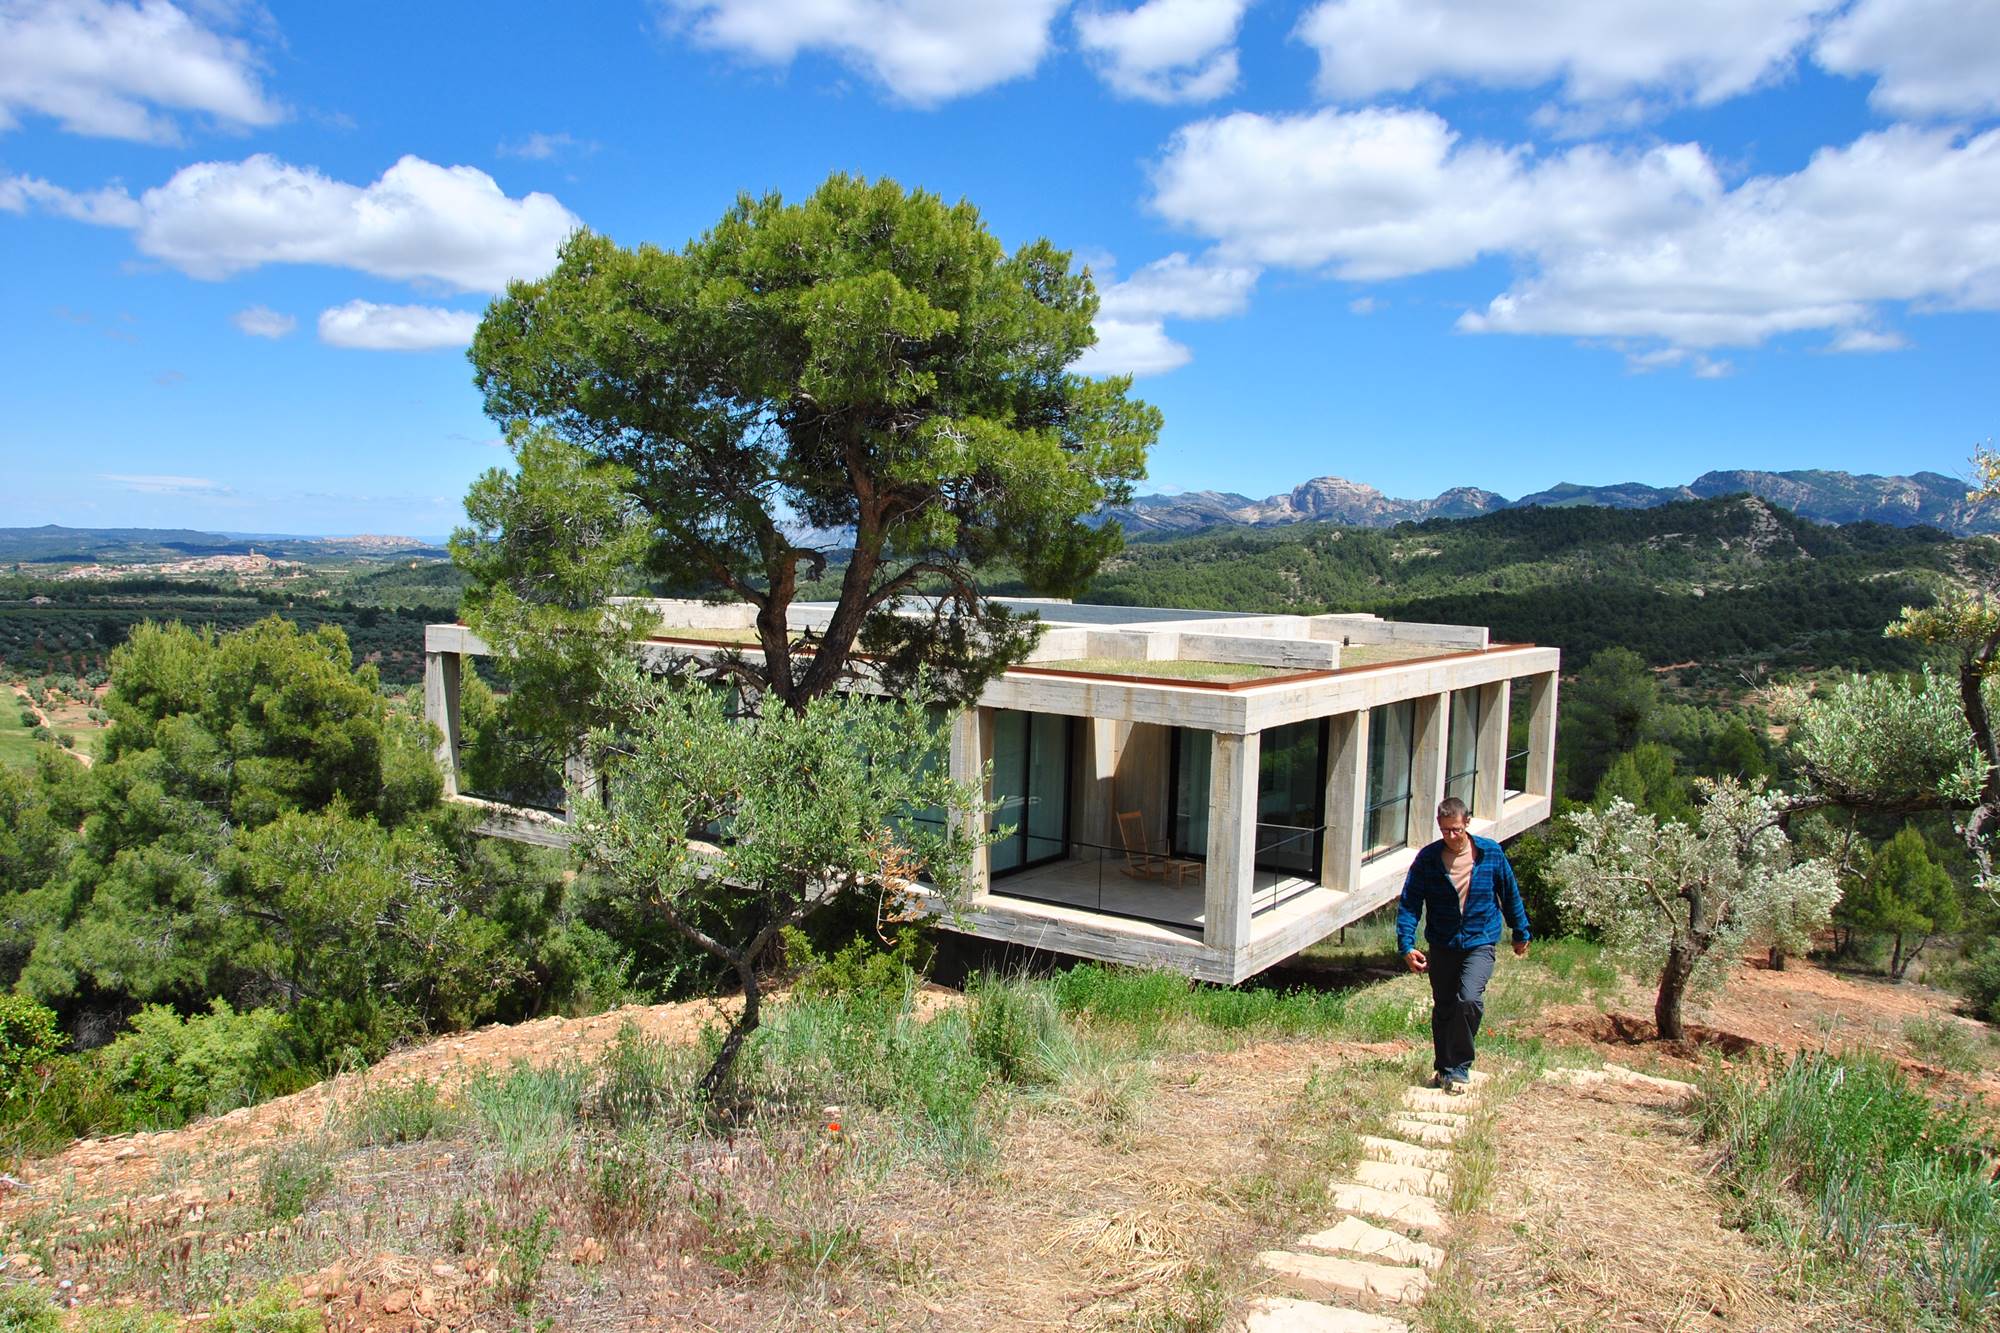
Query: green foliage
[26,1310]
[1882,742]
[275,1309]
[807,808]
[1946,1041]
[1906,895]
[1681,901]
[29,1037]
[862,966]
[524,1249]
[1148,1001]
[1644,777]
[530,1114]
[168,1070]
[1016,1030]
[1608,710]
[1978,980]
[293,1178]
[400,1113]
[867,359]
[1893,1183]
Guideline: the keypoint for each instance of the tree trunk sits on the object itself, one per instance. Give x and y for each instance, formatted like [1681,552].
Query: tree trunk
[1673,988]
[1778,957]
[1897,963]
[719,1073]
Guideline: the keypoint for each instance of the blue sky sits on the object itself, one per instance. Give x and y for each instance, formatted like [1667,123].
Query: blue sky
[1415,243]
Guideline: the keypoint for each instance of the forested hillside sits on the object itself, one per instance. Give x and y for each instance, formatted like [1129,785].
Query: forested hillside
[1729,582]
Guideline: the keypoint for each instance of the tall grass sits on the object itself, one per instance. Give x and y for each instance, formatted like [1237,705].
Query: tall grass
[1152,1001]
[1888,1180]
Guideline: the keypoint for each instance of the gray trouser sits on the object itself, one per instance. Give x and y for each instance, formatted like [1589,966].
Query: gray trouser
[1458,1002]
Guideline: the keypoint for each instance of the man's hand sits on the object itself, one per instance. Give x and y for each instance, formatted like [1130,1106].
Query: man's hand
[1417,962]
[1520,948]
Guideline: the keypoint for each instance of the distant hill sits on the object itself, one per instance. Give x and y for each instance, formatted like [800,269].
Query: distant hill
[53,544]
[1729,582]
[1923,498]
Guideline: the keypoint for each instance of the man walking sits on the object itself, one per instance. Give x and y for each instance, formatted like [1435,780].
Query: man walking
[1464,884]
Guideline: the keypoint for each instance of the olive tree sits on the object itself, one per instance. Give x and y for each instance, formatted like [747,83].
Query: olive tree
[864,387]
[1683,900]
[734,825]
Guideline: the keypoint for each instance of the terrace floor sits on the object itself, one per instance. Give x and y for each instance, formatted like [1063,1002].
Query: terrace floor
[1098,883]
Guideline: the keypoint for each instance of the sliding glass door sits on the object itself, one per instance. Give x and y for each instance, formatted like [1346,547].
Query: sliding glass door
[1291,795]
[1392,735]
[1031,784]
[1461,765]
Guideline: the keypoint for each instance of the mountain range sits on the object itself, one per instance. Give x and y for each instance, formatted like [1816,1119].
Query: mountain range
[1923,498]
[54,544]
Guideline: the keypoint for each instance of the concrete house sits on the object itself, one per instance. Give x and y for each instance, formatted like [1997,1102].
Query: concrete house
[1199,790]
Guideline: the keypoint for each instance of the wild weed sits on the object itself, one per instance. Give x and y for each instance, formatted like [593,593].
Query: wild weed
[26,1310]
[275,1309]
[293,1177]
[524,1249]
[405,1114]
[1946,1042]
[642,1078]
[529,1114]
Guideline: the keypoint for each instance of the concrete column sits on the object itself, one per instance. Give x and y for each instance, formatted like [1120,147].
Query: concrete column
[1495,703]
[1427,771]
[1346,800]
[971,742]
[1542,734]
[1232,839]
[580,776]
[441,677]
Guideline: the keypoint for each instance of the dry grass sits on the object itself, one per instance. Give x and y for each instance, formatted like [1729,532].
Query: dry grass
[1601,1216]
[1166,668]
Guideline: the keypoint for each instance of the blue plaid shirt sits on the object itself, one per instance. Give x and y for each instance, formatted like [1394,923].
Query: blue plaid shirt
[1428,890]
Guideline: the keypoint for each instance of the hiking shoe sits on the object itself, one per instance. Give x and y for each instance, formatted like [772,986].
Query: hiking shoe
[1440,1082]
[1453,1088]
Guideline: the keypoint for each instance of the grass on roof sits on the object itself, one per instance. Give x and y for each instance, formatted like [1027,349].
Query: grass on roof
[1373,654]
[1170,669]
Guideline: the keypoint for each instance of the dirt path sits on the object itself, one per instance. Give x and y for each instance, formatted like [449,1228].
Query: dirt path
[21,696]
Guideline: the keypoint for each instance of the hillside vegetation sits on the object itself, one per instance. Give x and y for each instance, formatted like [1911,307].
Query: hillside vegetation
[1726,582]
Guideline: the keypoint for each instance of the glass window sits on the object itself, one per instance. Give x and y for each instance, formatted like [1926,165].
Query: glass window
[1031,787]
[1192,750]
[1291,795]
[1461,764]
[1520,713]
[1392,734]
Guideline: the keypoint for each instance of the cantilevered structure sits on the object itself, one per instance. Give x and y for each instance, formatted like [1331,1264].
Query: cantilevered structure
[1198,790]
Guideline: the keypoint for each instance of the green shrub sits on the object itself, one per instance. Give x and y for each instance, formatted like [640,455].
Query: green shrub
[292,1178]
[531,1113]
[128,1321]
[29,1038]
[27,1310]
[1946,1042]
[401,1114]
[275,1309]
[1978,980]
[1893,1182]
[1016,1029]
[639,1079]
[170,1070]
[862,966]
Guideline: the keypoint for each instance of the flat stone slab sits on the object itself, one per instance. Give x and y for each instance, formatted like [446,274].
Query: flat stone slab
[1365,1238]
[1456,1119]
[1431,1099]
[1403,1179]
[1404,1154]
[1330,1275]
[1671,1087]
[1286,1314]
[1425,1131]
[1410,1210]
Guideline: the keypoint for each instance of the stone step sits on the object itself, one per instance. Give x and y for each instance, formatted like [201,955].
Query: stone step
[1359,1237]
[1456,1119]
[1405,1154]
[1431,1099]
[1410,1210]
[1287,1314]
[1619,1074]
[1424,1131]
[1403,1179]
[1329,1275]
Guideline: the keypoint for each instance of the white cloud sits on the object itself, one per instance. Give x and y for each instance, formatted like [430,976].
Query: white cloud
[260,321]
[1364,305]
[539,147]
[1930,57]
[922,51]
[1618,246]
[1868,340]
[418,222]
[1596,50]
[123,71]
[108,207]
[1131,316]
[1379,194]
[1165,50]
[396,328]
[1126,347]
[159,485]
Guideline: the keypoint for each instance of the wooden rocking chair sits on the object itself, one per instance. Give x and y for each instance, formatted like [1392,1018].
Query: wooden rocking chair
[1142,862]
